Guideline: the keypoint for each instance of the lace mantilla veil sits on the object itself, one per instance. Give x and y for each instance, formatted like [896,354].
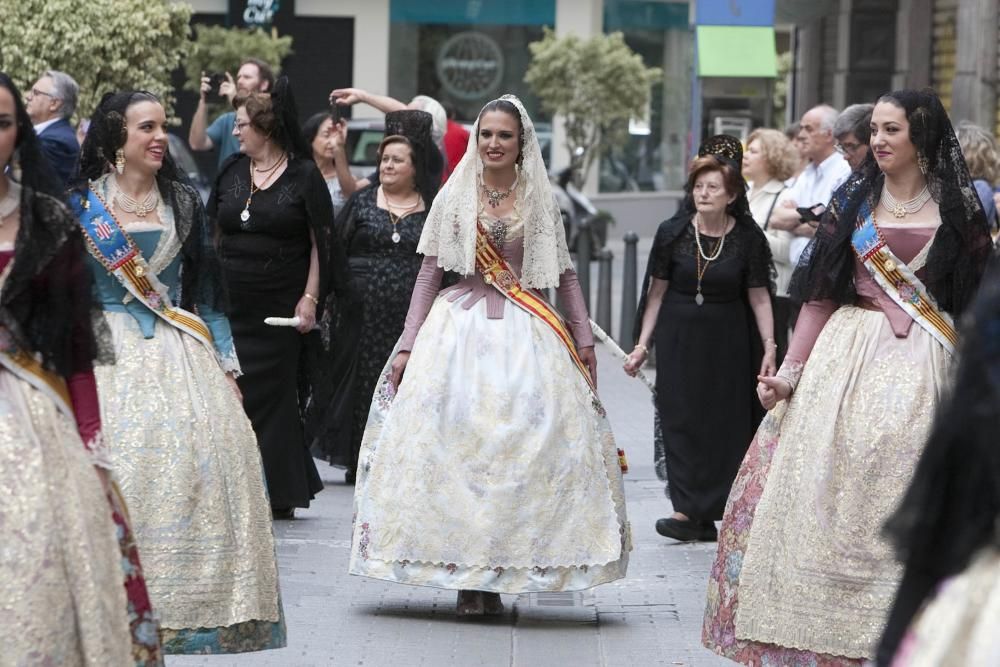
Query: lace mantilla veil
[450,229]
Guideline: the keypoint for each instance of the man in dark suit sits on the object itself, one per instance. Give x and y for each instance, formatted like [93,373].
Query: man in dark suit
[51,102]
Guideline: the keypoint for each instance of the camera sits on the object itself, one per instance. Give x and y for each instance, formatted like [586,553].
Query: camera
[214,81]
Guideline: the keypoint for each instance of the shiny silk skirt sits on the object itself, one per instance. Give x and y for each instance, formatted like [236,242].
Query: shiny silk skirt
[493,468]
[187,461]
[62,587]
[803,574]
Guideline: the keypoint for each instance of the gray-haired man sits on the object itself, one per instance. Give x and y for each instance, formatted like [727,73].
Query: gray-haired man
[51,102]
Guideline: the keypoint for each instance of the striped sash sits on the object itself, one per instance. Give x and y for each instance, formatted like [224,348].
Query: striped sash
[111,245]
[29,369]
[899,281]
[497,272]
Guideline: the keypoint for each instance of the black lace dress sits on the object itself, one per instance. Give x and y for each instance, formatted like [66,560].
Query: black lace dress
[707,360]
[382,274]
[265,260]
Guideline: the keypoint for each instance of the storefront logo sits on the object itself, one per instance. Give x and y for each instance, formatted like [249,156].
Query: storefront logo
[260,13]
[470,65]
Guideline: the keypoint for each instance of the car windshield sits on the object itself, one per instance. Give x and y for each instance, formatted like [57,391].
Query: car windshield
[362,146]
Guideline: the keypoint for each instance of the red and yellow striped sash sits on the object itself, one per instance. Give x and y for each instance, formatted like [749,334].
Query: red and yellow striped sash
[498,273]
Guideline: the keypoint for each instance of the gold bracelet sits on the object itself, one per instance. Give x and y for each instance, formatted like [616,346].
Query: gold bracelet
[771,341]
[640,346]
[309,296]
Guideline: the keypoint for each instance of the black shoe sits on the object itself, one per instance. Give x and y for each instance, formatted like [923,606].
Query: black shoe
[350,477]
[282,512]
[687,531]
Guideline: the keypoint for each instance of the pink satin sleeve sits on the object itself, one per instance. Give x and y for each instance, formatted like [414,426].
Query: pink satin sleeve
[574,309]
[425,290]
[812,318]
[83,393]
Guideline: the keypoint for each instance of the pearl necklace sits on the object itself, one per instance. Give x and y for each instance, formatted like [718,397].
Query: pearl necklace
[900,209]
[130,205]
[700,269]
[697,241]
[395,218]
[10,201]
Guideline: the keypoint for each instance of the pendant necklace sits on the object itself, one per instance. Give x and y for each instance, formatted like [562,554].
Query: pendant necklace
[10,201]
[699,299]
[394,218]
[900,209]
[495,197]
[268,173]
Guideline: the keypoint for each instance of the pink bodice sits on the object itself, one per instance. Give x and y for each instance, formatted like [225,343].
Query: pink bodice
[473,289]
[906,243]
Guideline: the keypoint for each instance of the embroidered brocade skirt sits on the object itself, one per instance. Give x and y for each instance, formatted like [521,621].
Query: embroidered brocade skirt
[186,458]
[62,586]
[802,574]
[493,468]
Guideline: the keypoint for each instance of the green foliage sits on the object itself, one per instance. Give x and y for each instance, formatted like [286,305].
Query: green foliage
[596,85]
[105,45]
[781,87]
[219,49]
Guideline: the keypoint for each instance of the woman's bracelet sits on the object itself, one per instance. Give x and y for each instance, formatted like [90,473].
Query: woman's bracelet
[309,296]
[640,346]
[770,341]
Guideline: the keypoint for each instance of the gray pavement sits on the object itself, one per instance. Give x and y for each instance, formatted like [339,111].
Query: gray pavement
[653,617]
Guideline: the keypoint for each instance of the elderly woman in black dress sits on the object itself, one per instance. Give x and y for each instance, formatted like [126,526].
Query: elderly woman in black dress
[275,219]
[379,228]
[708,300]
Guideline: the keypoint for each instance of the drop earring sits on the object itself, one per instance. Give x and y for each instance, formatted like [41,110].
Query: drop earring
[120,161]
[15,166]
[922,163]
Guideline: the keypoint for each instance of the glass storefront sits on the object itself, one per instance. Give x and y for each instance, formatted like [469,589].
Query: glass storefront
[465,53]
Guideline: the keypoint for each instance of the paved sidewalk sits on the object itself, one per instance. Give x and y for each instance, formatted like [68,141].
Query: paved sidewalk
[653,617]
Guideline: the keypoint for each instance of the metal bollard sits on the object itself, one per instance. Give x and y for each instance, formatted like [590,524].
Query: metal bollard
[583,255]
[629,297]
[605,259]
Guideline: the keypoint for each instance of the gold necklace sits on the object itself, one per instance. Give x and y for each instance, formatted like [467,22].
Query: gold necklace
[394,218]
[245,215]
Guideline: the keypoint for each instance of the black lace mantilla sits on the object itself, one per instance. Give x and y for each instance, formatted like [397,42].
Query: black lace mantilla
[962,244]
[46,305]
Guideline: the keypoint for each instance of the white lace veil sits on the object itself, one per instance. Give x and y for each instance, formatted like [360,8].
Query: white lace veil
[450,229]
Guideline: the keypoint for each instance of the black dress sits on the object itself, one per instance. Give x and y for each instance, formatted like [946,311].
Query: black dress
[265,260]
[382,274]
[707,360]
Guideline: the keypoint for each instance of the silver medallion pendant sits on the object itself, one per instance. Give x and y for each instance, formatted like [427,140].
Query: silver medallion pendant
[699,299]
[396,237]
[245,215]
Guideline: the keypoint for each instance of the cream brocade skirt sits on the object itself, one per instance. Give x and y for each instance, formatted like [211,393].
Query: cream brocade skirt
[817,574]
[958,627]
[186,459]
[495,468]
[62,587]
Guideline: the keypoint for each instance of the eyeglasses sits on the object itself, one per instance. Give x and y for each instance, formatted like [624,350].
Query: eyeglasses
[239,127]
[849,147]
[711,188]
[34,92]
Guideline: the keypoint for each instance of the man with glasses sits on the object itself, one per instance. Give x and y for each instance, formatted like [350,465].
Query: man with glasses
[51,102]
[853,131]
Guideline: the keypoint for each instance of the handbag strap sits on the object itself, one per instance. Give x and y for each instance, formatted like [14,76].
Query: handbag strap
[774,201]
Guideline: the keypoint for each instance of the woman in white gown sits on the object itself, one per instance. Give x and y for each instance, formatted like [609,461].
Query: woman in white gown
[491,467]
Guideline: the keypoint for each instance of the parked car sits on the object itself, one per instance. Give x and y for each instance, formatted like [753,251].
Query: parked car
[363,137]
